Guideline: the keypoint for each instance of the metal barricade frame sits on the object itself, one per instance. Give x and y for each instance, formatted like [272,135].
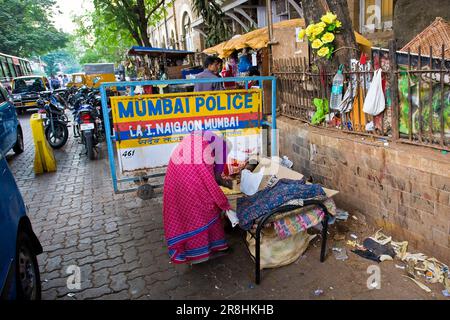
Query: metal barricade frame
[133,84]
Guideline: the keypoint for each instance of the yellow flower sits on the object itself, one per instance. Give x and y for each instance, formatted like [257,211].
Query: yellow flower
[338,24]
[316,44]
[309,30]
[323,52]
[329,18]
[301,34]
[317,30]
[321,24]
[328,37]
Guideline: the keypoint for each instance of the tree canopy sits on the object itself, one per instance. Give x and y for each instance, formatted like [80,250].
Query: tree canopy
[132,15]
[99,39]
[27,28]
[105,34]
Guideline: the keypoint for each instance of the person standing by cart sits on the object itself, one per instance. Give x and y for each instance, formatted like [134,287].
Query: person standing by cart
[211,69]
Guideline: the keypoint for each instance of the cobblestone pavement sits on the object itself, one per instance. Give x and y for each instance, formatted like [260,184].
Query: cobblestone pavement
[117,241]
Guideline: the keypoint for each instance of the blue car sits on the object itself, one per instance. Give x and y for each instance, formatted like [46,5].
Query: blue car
[11,135]
[19,246]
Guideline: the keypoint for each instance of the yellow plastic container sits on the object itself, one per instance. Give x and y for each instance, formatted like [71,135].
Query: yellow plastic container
[44,159]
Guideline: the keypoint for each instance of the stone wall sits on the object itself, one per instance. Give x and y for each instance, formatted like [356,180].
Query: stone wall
[404,189]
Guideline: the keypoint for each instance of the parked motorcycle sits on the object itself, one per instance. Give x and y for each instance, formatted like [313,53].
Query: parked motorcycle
[51,107]
[88,123]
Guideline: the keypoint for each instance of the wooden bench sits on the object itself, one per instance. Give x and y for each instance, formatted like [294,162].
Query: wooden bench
[277,214]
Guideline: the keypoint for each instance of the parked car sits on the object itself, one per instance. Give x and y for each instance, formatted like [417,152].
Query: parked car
[11,135]
[26,91]
[19,246]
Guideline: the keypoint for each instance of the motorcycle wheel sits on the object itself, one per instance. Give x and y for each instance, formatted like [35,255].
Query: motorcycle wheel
[58,138]
[89,140]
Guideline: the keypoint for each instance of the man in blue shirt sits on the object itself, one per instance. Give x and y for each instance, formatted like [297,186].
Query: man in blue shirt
[211,66]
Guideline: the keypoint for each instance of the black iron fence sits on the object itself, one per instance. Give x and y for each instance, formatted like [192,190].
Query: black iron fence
[416,88]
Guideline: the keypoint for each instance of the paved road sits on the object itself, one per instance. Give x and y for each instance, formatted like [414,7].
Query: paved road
[117,242]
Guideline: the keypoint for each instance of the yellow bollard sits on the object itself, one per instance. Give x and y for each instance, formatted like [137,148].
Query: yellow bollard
[44,160]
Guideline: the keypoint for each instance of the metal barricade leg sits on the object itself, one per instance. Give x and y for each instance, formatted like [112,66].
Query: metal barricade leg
[323,251]
[258,256]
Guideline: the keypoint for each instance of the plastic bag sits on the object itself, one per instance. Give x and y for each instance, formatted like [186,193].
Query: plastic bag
[250,181]
[375,102]
[244,64]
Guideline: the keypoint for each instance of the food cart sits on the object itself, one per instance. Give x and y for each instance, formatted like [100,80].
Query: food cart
[163,64]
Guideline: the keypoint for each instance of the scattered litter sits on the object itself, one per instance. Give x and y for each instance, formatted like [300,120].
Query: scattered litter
[217,287]
[410,269]
[375,251]
[340,254]
[331,288]
[318,292]
[385,257]
[446,293]
[71,295]
[355,217]
[383,251]
[444,152]
[251,286]
[354,236]
[416,264]
[381,238]
[45,280]
[342,215]
[285,162]
[420,284]
[354,244]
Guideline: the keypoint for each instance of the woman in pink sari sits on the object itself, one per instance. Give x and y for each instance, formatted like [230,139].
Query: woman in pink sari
[193,201]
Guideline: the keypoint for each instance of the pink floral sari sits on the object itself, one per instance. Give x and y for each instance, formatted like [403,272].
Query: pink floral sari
[192,203]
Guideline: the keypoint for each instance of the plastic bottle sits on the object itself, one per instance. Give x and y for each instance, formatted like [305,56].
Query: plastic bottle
[337,89]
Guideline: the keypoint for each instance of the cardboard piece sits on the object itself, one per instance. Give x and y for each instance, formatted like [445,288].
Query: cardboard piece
[272,167]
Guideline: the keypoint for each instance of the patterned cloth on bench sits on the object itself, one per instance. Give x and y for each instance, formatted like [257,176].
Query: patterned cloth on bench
[302,219]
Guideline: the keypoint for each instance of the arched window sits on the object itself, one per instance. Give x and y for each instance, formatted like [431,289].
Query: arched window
[187,33]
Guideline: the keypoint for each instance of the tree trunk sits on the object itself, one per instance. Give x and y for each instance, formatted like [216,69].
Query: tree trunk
[143,23]
[345,40]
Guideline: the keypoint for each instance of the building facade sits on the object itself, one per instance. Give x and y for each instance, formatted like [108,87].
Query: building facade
[183,29]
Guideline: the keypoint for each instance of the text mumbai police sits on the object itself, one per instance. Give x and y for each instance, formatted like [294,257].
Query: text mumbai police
[180,106]
[164,116]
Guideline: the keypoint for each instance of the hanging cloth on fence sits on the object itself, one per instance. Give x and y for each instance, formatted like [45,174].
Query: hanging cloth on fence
[346,104]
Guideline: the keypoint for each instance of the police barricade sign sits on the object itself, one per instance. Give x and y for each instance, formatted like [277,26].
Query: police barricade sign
[147,128]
